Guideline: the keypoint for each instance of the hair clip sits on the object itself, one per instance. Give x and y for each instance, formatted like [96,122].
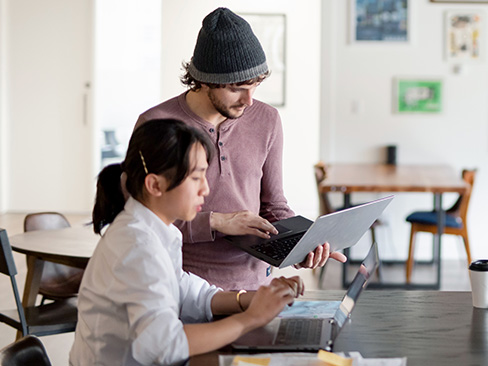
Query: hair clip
[143,162]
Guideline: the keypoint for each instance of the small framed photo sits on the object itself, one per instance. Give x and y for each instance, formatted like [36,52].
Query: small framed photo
[417,95]
[464,35]
[386,21]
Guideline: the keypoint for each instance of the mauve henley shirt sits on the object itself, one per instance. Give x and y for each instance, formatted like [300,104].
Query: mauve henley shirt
[245,174]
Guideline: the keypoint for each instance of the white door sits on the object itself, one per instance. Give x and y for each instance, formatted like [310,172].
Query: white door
[50,132]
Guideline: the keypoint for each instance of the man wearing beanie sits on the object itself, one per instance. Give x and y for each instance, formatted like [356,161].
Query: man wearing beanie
[245,177]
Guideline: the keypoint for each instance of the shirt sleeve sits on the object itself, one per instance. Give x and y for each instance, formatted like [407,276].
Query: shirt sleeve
[274,205]
[145,282]
[196,297]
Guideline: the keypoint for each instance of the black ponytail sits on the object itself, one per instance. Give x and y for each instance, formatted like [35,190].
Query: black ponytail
[160,147]
[109,200]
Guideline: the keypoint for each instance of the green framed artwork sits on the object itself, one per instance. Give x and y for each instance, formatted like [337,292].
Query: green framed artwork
[418,95]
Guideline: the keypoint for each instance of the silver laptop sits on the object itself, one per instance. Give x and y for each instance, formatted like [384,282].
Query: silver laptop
[299,236]
[311,334]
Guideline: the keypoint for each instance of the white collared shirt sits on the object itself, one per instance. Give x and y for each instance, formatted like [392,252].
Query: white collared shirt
[135,297]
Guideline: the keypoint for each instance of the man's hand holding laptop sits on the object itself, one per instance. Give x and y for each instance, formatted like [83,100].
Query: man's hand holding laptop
[319,257]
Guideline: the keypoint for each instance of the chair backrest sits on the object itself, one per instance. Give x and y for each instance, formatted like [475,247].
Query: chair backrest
[7,264]
[7,267]
[320,174]
[460,207]
[28,351]
[45,221]
[58,280]
[468,177]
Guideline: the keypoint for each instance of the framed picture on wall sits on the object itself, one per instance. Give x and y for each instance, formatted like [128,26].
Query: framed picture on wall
[271,32]
[379,21]
[464,35]
[417,95]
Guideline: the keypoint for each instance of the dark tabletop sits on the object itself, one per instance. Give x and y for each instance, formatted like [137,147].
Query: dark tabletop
[428,327]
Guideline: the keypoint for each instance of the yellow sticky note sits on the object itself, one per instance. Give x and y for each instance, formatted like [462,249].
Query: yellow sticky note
[333,359]
[244,361]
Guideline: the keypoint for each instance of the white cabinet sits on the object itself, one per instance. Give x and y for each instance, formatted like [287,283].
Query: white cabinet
[50,153]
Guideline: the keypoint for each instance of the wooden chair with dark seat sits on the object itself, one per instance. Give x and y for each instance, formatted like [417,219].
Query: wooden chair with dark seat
[58,281]
[456,222]
[325,207]
[28,351]
[54,318]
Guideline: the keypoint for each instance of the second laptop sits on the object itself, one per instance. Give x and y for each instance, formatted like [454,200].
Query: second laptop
[299,236]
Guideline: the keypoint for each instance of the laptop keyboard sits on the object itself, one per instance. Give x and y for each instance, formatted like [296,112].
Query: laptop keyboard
[279,248]
[299,331]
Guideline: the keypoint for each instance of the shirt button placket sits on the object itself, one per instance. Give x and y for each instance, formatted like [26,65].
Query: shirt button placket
[211,132]
[223,158]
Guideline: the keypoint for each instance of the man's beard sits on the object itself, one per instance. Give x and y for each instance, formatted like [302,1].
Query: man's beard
[221,108]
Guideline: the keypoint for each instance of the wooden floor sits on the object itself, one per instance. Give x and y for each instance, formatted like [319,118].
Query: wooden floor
[454,278]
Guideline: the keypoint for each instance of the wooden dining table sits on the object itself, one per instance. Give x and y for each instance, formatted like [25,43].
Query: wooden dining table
[435,179]
[72,246]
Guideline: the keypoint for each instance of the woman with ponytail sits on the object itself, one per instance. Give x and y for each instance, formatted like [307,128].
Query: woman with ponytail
[136,305]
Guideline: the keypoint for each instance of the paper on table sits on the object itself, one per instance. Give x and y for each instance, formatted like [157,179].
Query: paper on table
[334,359]
[310,309]
[275,359]
[358,360]
[304,359]
[250,361]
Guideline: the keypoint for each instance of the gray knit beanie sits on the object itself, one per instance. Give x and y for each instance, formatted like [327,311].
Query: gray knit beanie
[227,51]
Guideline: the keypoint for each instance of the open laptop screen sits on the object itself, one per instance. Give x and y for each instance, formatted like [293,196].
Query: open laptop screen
[366,270]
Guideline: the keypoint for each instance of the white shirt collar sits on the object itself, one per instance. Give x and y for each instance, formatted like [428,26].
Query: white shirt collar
[167,232]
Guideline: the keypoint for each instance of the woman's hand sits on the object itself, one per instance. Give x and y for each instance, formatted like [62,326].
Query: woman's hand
[264,305]
[268,301]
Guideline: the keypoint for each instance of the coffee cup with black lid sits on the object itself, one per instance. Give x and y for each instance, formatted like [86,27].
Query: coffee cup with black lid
[478,274]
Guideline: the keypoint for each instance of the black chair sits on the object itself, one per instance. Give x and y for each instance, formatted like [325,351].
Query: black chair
[28,351]
[58,281]
[54,318]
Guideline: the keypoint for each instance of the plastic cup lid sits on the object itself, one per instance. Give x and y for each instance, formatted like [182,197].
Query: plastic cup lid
[479,265]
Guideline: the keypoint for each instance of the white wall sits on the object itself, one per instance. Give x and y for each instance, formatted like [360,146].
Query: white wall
[361,74]
[127,63]
[3,124]
[55,153]
[181,23]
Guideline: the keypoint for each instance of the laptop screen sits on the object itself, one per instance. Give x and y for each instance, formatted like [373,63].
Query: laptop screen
[366,270]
